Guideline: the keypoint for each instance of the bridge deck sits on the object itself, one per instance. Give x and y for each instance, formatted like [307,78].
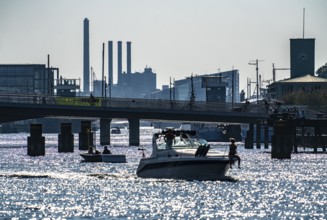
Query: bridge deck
[18,107]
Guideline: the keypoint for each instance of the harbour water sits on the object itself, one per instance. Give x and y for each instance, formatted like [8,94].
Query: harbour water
[61,186]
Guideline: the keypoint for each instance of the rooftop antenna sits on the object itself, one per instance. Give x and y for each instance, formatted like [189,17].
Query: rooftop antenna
[303,21]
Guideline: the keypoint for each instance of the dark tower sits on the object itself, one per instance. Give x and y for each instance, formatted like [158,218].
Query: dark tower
[120,65]
[86,58]
[302,57]
[110,63]
[129,58]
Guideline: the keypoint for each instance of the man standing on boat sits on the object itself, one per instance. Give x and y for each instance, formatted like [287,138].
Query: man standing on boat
[169,138]
[233,153]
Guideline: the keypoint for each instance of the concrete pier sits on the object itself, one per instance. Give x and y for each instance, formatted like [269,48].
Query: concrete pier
[105,131]
[134,132]
[266,136]
[281,141]
[85,136]
[66,138]
[36,142]
[249,137]
[258,135]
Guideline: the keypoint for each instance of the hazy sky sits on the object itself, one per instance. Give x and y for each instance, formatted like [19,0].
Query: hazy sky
[174,37]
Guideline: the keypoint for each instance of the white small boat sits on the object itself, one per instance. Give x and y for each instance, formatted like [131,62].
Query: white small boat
[113,158]
[115,130]
[189,157]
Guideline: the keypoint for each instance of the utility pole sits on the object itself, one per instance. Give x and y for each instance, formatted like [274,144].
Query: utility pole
[274,71]
[233,77]
[256,63]
[170,89]
[174,89]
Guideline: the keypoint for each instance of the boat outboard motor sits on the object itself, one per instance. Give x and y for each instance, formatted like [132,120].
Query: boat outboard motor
[206,149]
[199,151]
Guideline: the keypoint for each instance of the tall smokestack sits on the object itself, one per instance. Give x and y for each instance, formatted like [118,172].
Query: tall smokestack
[86,58]
[129,58]
[110,64]
[120,64]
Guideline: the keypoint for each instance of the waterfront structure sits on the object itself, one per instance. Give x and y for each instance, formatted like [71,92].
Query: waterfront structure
[27,79]
[306,83]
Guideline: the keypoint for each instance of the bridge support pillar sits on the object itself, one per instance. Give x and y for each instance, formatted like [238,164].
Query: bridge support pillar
[66,138]
[85,136]
[281,142]
[134,131]
[266,134]
[105,131]
[36,142]
[258,135]
[249,137]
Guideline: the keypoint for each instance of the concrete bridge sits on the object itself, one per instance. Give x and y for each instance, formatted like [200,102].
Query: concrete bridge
[21,107]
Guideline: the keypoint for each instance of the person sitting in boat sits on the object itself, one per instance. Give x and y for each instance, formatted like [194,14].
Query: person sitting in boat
[90,151]
[106,150]
[233,153]
[169,138]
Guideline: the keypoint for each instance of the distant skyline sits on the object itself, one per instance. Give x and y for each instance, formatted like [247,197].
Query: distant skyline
[174,38]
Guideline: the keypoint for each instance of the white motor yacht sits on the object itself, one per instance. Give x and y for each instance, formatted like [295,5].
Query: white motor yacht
[189,157]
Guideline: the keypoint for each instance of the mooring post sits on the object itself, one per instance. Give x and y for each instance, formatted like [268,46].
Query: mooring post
[258,135]
[249,137]
[134,131]
[85,136]
[66,138]
[281,143]
[36,142]
[105,131]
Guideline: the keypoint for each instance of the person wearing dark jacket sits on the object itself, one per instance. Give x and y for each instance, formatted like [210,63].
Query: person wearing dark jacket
[106,150]
[233,153]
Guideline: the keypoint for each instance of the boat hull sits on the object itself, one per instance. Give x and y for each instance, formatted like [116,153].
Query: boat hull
[91,157]
[184,168]
[113,158]
[108,158]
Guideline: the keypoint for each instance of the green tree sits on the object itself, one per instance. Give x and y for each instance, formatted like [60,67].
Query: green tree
[322,71]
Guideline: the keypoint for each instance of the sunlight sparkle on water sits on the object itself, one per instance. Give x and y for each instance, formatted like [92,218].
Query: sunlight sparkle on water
[59,185]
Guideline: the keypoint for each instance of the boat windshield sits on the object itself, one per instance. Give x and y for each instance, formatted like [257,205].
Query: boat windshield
[180,142]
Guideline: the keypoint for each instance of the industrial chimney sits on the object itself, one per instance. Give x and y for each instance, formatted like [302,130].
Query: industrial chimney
[129,58]
[120,65]
[86,58]
[110,63]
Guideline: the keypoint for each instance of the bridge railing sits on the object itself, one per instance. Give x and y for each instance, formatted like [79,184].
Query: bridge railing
[132,103]
[179,105]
